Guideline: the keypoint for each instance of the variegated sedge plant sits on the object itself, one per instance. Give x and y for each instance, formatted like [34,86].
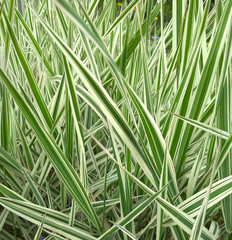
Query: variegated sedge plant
[115,121]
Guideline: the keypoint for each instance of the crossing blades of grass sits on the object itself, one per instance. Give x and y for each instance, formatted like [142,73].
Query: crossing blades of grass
[111,114]
[59,161]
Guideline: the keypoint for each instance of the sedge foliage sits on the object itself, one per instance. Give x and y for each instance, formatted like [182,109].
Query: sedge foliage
[115,121]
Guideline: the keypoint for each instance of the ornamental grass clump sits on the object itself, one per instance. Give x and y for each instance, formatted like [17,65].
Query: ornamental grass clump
[115,119]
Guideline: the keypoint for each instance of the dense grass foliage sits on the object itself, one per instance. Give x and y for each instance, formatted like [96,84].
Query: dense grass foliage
[115,119]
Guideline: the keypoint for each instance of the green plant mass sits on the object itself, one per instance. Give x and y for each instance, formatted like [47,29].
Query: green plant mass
[115,119]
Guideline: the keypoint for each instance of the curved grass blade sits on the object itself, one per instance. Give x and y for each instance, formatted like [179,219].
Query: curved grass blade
[215,131]
[53,220]
[59,161]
